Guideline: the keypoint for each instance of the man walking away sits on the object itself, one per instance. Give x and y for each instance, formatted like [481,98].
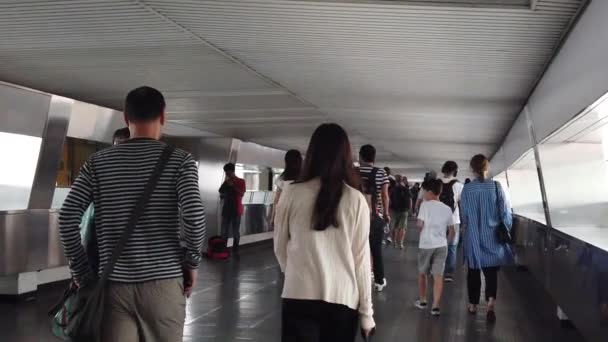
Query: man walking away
[429,176]
[375,188]
[401,203]
[388,233]
[147,289]
[231,192]
[452,189]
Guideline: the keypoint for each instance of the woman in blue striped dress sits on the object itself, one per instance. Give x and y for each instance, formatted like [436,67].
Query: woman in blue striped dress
[483,207]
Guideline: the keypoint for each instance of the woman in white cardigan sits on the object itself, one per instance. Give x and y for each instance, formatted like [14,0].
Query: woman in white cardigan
[322,244]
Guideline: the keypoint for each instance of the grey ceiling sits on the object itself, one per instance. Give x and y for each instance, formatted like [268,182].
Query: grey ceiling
[424,81]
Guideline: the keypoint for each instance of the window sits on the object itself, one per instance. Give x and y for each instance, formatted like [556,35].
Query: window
[502,179]
[574,162]
[524,188]
[19,154]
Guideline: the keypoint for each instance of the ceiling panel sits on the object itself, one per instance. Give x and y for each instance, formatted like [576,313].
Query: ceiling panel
[423,80]
[96,51]
[422,74]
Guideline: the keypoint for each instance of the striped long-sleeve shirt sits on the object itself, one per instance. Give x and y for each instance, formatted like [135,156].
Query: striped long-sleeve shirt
[112,180]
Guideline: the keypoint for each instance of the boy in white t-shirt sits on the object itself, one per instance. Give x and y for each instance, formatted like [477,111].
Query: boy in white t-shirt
[433,220]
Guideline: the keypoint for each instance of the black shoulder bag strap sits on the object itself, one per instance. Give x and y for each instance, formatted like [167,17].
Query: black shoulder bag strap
[140,206]
[502,233]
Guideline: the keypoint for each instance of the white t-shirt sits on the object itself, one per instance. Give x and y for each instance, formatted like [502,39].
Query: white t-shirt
[457,188]
[436,217]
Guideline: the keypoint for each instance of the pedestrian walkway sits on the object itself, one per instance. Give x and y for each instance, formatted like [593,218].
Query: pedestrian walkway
[240,301]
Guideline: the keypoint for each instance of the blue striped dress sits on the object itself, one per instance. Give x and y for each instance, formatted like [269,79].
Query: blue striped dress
[481,216]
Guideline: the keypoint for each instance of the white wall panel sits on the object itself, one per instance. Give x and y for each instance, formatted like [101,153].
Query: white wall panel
[578,75]
[517,142]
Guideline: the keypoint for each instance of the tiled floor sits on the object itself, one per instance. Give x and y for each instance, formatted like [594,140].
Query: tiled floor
[239,301]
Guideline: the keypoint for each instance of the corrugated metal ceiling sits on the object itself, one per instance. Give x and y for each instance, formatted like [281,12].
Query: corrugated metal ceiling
[423,82]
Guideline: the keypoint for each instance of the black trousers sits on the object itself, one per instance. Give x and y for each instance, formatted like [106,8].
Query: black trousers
[318,321]
[376,235]
[474,283]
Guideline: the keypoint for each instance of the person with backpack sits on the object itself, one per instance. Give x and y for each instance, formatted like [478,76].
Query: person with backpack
[374,185]
[141,190]
[400,203]
[450,196]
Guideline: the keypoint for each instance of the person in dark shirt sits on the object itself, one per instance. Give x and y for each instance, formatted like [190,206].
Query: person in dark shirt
[231,192]
[400,205]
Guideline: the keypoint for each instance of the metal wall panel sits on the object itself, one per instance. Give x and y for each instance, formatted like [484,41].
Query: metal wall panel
[573,272]
[516,143]
[213,153]
[578,75]
[51,152]
[30,241]
[22,111]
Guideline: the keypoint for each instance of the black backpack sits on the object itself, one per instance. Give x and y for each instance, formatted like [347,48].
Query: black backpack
[447,195]
[400,198]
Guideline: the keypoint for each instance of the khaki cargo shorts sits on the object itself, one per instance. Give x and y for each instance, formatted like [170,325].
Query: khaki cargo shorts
[432,261]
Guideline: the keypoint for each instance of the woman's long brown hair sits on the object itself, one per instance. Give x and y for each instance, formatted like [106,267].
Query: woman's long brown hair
[329,158]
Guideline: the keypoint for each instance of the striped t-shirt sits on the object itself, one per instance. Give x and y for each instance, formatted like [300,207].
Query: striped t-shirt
[113,180]
[381,179]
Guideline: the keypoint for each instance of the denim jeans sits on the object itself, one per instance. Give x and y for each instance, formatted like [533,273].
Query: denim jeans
[232,225]
[450,262]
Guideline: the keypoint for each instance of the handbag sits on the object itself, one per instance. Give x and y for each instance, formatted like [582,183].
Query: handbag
[503,234]
[79,313]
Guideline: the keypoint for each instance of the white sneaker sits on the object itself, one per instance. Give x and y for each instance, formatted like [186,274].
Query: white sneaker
[380,287]
[420,304]
[401,246]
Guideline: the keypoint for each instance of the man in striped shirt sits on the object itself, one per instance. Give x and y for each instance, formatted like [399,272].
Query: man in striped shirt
[378,187]
[146,295]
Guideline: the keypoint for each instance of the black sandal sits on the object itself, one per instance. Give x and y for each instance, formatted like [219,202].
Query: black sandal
[472,311]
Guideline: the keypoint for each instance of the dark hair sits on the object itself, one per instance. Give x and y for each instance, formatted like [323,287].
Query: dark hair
[467,181]
[121,135]
[229,167]
[144,104]
[387,170]
[367,153]
[293,165]
[435,186]
[426,184]
[329,157]
[405,181]
[480,165]
[449,168]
